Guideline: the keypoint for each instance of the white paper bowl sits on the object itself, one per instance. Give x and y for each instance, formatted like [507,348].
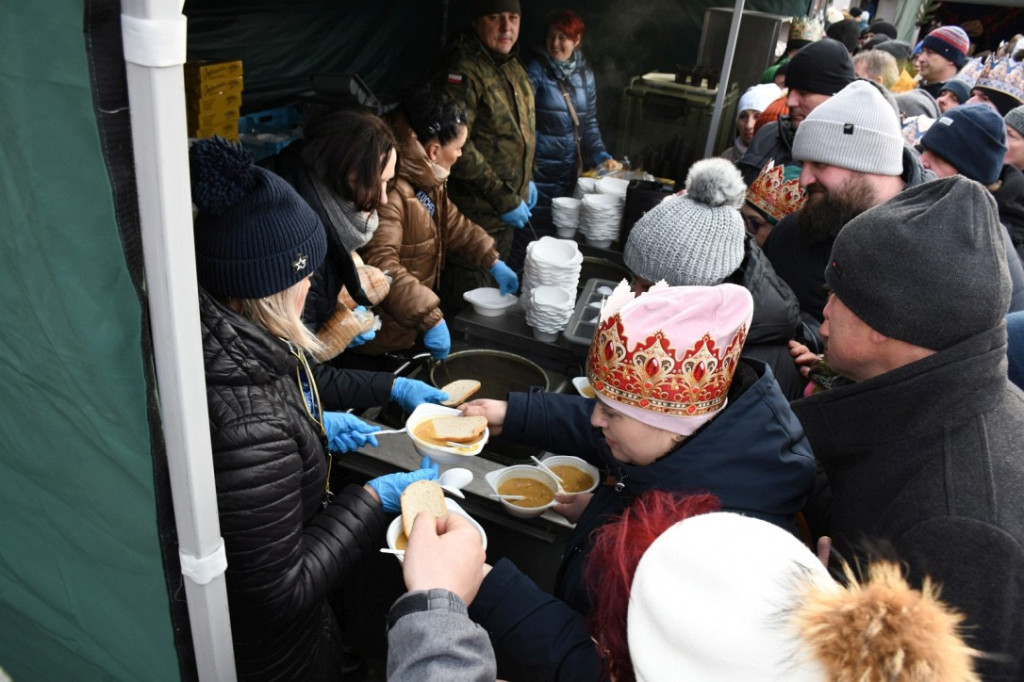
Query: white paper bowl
[488,301]
[583,387]
[565,232]
[599,243]
[395,528]
[566,460]
[559,253]
[548,296]
[495,479]
[441,454]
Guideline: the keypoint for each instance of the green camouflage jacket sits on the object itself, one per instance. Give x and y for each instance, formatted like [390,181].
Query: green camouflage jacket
[494,173]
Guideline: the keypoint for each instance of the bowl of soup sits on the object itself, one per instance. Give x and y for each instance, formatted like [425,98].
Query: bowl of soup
[421,433]
[536,486]
[578,475]
[396,536]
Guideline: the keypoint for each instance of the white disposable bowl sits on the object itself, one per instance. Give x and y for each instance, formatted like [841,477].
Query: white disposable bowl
[566,460]
[488,301]
[441,454]
[557,252]
[547,295]
[547,337]
[395,528]
[495,479]
[583,387]
[599,243]
[566,232]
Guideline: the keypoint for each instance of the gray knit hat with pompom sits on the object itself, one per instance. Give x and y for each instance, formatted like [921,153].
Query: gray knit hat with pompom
[695,239]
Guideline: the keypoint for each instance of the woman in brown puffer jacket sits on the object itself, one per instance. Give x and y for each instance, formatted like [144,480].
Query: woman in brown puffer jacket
[419,226]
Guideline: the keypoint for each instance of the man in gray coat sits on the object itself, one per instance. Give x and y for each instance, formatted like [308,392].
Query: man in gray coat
[922,441]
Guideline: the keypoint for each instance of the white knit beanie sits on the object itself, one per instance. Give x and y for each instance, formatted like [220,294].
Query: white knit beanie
[711,598]
[758,97]
[695,239]
[856,129]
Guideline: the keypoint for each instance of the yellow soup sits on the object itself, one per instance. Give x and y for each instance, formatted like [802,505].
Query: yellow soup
[535,493]
[574,480]
[401,542]
[587,391]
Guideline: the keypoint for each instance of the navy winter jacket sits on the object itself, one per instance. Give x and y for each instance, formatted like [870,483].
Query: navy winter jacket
[753,457]
[555,165]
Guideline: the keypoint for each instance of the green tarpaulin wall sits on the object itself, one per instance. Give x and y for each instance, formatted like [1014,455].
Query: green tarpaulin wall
[83,590]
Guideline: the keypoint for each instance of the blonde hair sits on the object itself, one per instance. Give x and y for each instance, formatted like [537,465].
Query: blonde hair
[881,67]
[281,315]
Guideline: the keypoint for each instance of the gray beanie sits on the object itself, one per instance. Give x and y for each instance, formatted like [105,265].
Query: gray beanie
[927,267]
[856,129]
[696,239]
[1015,119]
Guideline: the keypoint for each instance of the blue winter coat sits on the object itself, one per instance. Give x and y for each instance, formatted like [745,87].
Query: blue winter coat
[555,160]
[753,457]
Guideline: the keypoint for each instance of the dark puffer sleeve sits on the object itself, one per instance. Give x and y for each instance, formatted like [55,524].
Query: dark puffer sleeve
[352,389]
[289,564]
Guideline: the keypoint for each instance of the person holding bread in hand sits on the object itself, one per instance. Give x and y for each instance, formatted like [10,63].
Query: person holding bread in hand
[289,539]
[676,408]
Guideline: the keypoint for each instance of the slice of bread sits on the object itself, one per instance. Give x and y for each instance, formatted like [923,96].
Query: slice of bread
[460,391]
[421,496]
[459,429]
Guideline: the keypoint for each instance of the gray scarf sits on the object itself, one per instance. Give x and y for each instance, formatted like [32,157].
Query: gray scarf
[352,227]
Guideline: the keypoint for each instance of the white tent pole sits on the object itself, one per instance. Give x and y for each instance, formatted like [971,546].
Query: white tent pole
[723,82]
[154,40]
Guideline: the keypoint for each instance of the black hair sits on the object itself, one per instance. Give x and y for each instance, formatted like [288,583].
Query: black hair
[432,116]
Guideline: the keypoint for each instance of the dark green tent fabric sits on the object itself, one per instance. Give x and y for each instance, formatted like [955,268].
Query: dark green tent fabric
[82,589]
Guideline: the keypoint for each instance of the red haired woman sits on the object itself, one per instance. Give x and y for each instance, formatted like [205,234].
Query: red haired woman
[565,92]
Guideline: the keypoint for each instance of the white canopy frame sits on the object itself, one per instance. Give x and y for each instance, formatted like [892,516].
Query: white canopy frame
[154,37]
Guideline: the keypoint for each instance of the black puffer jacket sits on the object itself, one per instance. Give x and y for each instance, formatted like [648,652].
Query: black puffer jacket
[285,551]
[1010,200]
[776,318]
[773,142]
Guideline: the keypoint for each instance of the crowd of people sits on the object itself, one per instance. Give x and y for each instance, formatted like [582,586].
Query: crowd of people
[808,410]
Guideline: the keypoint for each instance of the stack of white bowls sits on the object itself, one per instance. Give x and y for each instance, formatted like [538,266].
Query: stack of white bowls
[600,218]
[549,311]
[550,262]
[615,186]
[584,186]
[565,214]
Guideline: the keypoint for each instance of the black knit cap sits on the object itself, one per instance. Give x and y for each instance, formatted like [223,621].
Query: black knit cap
[846,31]
[254,235]
[927,267]
[823,67]
[481,8]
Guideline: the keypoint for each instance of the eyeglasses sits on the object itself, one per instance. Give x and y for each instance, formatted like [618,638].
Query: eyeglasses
[311,401]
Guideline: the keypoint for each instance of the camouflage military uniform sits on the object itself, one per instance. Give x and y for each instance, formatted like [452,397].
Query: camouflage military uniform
[493,175]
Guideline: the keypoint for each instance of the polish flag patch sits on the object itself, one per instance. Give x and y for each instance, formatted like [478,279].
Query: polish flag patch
[455,79]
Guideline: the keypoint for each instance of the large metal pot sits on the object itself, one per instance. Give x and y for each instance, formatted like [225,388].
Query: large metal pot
[497,371]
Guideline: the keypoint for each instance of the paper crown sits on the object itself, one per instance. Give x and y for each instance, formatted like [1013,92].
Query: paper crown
[806,28]
[777,192]
[1004,75]
[667,357]
[970,71]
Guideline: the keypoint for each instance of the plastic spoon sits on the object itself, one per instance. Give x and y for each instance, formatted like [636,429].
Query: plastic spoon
[544,466]
[384,433]
[507,498]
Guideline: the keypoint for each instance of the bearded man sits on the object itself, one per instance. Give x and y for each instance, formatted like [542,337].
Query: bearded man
[853,159]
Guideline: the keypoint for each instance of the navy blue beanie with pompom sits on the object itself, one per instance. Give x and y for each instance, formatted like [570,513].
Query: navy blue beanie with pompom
[254,235]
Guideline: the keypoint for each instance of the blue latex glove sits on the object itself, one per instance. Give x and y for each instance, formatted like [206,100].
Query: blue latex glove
[506,278]
[360,339]
[518,216]
[389,488]
[531,201]
[601,157]
[347,432]
[438,340]
[409,393]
